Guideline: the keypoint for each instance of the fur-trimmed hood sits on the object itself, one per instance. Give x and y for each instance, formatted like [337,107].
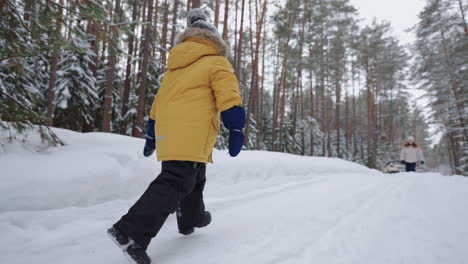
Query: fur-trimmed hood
[214,38]
[192,45]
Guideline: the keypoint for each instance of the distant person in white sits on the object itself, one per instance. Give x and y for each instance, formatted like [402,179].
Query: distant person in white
[410,154]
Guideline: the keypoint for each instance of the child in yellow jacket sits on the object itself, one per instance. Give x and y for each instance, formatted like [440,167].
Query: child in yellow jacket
[198,88]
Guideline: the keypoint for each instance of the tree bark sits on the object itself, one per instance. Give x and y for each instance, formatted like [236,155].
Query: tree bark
[106,120]
[189,5]
[337,108]
[195,4]
[174,22]
[239,43]
[95,31]
[261,126]
[465,26]
[311,114]
[155,27]
[226,16]
[216,14]
[235,35]
[53,68]
[253,98]
[164,35]
[281,89]
[2,6]
[128,72]
[144,71]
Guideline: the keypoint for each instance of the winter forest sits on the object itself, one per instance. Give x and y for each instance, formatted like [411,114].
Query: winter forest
[315,80]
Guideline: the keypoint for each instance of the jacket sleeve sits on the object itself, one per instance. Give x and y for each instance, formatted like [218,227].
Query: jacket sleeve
[153,109]
[224,84]
[403,154]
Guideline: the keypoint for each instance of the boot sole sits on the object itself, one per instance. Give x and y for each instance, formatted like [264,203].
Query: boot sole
[123,248]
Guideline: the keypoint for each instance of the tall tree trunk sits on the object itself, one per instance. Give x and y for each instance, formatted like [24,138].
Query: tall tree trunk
[51,93]
[337,110]
[302,105]
[329,120]
[106,120]
[354,122]
[128,72]
[239,44]
[275,94]
[311,114]
[144,70]
[253,98]
[294,109]
[95,31]
[299,84]
[235,35]
[189,5]
[281,90]
[226,16]
[282,110]
[371,154]
[155,28]
[451,153]
[195,3]
[164,35]
[53,67]
[2,6]
[465,26]
[323,105]
[174,22]
[261,127]
[346,120]
[216,14]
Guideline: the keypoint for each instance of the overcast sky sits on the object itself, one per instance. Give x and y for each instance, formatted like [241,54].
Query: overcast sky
[403,14]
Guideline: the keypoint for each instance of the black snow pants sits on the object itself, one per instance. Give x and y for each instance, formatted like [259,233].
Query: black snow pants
[179,187]
[410,166]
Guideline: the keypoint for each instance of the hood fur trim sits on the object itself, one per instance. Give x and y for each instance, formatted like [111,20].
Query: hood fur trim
[220,44]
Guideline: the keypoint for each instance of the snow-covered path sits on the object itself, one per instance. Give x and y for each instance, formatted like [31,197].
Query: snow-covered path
[267,208]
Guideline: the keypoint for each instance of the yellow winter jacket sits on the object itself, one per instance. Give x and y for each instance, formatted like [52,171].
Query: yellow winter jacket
[198,85]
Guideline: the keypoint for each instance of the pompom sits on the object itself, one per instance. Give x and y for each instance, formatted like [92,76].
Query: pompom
[195,15]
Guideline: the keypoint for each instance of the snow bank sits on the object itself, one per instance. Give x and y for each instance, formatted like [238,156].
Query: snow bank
[93,168]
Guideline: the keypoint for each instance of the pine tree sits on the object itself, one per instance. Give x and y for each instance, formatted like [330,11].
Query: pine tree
[76,94]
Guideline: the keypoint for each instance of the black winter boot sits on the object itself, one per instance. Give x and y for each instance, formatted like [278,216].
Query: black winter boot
[134,252]
[204,221]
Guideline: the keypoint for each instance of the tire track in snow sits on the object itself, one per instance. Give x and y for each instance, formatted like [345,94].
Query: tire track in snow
[308,247]
[263,193]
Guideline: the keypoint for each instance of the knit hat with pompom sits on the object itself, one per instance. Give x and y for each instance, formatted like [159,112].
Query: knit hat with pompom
[197,18]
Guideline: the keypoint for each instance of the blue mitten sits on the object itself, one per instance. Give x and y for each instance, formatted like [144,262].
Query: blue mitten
[234,120]
[150,144]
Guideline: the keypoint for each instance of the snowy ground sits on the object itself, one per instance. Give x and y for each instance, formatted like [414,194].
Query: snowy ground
[267,208]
